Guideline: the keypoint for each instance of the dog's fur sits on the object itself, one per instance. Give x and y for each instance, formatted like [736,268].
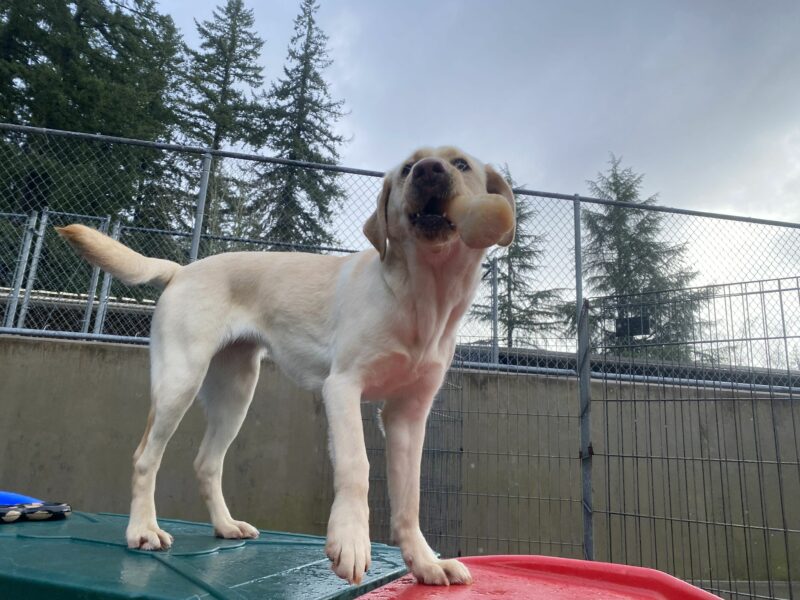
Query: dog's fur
[379,325]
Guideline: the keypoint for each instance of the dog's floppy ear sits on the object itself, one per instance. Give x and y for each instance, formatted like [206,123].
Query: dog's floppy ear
[496,184]
[376,228]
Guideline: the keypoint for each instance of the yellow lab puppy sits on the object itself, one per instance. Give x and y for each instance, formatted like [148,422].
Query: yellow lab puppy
[379,325]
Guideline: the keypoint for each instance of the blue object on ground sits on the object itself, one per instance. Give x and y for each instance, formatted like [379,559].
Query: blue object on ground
[12,498]
[85,557]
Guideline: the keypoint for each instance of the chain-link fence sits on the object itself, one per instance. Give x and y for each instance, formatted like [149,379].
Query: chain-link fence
[657,426]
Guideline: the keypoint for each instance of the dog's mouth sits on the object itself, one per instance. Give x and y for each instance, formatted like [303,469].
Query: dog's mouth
[432,219]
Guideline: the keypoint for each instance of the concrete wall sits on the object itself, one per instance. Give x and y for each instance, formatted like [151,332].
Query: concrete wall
[73,412]
[699,482]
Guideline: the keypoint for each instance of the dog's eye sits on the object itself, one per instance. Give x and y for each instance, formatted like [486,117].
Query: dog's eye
[406,169]
[460,164]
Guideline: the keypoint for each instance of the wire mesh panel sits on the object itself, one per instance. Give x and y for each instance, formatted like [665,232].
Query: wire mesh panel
[695,420]
[65,179]
[147,186]
[152,192]
[57,284]
[521,489]
[13,232]
[254,205]
[16,235]
[697,461]
[123,310]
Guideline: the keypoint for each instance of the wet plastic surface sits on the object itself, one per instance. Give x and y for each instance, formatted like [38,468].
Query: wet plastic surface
[85,557]
[547,578]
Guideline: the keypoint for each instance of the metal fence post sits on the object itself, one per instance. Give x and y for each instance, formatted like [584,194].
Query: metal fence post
[102,305]
[37,253]
[19,271]
[584,389]
[201,207]
[576,214]
[495,315]
[586,451]
[87,314]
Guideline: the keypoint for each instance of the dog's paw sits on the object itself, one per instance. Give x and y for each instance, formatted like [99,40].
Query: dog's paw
[441,572]
[350,552]
[235,530]
[148,537]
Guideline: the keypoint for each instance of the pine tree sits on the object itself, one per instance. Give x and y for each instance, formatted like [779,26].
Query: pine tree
[89,65]
[217,110]
[92,66]
[301,116]
[523,311]
[645,305]
[98,66]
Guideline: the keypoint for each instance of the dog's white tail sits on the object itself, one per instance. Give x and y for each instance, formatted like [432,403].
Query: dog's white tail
[115,258]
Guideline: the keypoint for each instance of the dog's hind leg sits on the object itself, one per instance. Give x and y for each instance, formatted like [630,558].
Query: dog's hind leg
[226,393]
[177,371]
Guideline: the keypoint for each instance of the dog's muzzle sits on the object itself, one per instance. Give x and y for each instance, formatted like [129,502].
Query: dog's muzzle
[431,185]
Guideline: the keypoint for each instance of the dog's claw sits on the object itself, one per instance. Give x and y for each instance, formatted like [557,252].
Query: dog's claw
[149,538]
[441,572]
[350,557]
[236,530]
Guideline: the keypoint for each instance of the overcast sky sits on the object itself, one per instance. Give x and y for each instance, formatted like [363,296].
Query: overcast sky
[701,96]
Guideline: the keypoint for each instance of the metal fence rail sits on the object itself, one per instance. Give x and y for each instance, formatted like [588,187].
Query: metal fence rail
[657,427]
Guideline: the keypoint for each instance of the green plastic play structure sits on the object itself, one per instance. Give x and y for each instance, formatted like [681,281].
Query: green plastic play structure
[85,557]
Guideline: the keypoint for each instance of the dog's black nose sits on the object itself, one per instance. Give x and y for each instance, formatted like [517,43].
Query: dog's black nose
[430,172]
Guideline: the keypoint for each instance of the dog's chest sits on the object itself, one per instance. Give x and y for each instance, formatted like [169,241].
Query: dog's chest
[403,373]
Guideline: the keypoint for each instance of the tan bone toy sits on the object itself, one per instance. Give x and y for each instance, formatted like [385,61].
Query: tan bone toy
[481,220]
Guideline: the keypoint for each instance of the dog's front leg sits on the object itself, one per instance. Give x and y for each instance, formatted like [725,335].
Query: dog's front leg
[404,423]
[348,544]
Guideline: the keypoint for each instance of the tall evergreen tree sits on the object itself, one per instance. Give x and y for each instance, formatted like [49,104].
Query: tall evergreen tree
[523,310]
[646,306]
[218,110]
[301,115]
[98,66]
[89,65]
[93,66]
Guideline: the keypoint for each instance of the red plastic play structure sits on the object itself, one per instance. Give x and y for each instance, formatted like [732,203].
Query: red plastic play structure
[548,578]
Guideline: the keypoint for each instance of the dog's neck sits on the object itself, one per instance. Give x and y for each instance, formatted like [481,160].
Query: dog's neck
[436,284]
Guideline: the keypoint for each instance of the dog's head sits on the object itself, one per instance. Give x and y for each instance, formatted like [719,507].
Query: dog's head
[416,195]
